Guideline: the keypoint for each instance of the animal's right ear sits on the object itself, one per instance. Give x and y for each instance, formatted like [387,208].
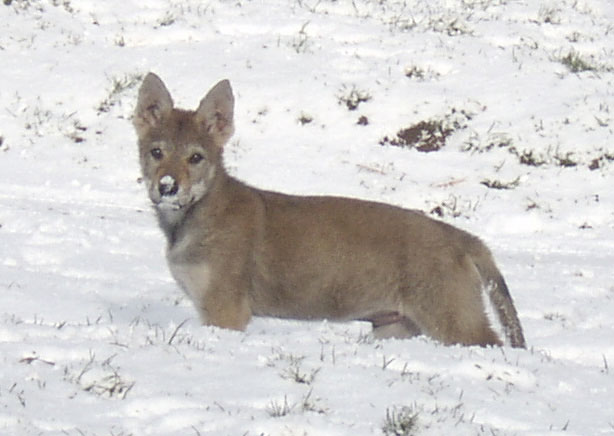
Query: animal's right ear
[215,113]
[153,106]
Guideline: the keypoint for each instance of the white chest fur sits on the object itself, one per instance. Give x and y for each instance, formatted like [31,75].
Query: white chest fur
[193,277]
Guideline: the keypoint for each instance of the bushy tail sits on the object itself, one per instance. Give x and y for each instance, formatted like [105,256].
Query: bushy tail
[500,297]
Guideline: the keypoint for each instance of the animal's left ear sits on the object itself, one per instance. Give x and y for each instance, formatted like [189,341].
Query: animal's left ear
[215,113]
[153,106]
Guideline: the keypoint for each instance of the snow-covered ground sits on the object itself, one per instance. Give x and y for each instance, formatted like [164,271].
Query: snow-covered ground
[96,338]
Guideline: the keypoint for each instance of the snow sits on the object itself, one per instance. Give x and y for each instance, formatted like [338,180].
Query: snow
[97,339]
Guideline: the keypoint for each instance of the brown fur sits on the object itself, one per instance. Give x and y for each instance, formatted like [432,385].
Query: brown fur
[239,251]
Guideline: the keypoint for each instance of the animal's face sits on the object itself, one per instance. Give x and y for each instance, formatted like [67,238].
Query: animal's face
[179,159]
[177,175]
[180,151]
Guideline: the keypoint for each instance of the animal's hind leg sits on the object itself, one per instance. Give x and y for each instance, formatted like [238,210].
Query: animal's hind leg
[403,329]
[462,322]
[393,325]
[454,312]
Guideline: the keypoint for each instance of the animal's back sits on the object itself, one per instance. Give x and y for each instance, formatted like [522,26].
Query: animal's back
[318,253]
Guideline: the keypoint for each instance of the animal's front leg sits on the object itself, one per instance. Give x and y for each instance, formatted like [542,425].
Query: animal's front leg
[225,306]
[221,299]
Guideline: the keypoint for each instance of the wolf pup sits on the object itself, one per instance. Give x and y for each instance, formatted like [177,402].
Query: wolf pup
[238,251]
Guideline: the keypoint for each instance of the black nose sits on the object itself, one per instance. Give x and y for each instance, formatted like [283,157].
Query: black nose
[167,186]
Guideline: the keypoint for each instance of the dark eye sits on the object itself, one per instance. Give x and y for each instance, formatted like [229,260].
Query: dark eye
[156,153]
[196,158]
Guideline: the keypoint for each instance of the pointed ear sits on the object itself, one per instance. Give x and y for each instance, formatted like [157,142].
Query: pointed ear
[215,113]
[154,104]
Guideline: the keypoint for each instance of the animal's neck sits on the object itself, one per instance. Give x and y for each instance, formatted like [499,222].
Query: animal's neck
[170,221]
